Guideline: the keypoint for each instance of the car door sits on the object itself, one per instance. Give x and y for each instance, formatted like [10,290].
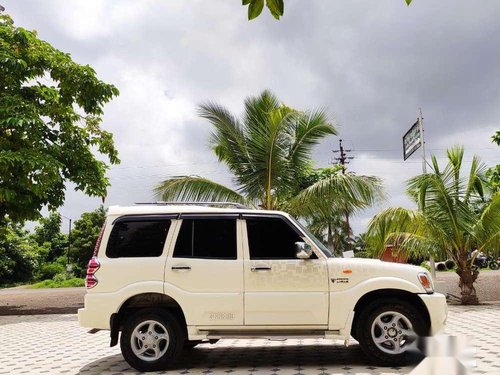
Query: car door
[279,288]
[205,269]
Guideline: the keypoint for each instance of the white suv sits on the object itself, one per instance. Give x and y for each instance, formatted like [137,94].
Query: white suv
[172,276]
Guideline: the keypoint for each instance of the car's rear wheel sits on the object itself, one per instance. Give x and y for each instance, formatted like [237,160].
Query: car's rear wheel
[388,332]
[151,340]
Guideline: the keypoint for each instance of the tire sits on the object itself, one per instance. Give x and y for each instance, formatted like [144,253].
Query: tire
[494,265]
[151,327]
[394,318]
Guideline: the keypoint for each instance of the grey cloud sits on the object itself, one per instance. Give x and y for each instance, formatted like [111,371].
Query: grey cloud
[370,65]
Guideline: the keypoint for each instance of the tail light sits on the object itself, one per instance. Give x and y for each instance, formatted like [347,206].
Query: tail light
[91,280]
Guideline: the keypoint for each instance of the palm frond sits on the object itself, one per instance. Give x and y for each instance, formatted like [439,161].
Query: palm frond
[309,129]
[337,192]
[196,189]
[227,139]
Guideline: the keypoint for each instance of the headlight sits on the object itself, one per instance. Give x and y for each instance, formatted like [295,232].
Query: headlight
[425,280]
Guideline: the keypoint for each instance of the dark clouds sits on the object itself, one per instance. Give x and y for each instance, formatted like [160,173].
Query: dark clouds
[370,64]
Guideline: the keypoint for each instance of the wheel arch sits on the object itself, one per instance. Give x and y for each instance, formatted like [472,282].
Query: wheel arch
[140,301]
[376,298]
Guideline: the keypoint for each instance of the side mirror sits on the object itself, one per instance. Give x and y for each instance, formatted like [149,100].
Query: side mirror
[302,250]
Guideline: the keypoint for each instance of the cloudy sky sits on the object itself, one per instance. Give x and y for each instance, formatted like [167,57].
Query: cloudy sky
[369,64]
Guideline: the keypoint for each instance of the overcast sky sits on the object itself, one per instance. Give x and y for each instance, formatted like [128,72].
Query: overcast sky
[370,64]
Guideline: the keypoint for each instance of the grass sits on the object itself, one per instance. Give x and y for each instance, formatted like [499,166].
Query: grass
[69,283]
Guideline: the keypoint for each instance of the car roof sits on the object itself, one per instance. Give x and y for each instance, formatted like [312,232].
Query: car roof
[144,209]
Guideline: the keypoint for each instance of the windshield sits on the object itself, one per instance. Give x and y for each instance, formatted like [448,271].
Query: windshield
[317,242]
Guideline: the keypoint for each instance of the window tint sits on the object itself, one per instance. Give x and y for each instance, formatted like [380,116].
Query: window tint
[137,238]
[271,238]
[206,238]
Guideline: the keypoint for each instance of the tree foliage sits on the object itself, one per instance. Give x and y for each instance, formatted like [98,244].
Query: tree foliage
[269,153]
[50,115]
[266,151]
[84,236]
[448,222]
[48,236]
[326,195]
[494,173]
[18,254]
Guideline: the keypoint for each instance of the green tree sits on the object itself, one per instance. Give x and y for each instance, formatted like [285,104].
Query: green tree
[326,195]
[269,153]
[266,151]
[84,236]
[447,222]
[50,115]
[48,234]
[19,255]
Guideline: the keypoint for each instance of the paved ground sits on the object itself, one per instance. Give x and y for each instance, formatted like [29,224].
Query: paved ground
[55,344]
[24,301]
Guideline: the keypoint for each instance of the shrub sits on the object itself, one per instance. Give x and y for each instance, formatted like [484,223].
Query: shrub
[49,270]
[426,265]
[361,254]
[69,283]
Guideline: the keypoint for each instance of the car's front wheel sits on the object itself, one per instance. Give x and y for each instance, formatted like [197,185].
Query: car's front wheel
[151,340]
[388,332]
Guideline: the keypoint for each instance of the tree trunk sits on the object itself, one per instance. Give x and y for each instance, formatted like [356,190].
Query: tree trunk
[467,278]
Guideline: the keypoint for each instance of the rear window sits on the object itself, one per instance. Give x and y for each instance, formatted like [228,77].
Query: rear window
[138,238]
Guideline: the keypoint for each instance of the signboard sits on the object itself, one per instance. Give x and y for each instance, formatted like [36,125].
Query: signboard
[411,140]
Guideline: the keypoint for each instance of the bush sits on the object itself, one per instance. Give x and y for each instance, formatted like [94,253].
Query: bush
[450,264]
[441,266]
[49,270]
[361,254]
[69,283]
[426,265]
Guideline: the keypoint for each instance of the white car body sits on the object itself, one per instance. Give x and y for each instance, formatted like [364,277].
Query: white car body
[220,298]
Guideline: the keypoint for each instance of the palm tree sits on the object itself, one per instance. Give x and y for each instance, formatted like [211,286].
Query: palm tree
[330,194]
[269,153]
[265,151]
[453,219]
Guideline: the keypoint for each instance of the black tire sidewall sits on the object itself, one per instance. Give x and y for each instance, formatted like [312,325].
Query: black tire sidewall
[365,337]
[176,339]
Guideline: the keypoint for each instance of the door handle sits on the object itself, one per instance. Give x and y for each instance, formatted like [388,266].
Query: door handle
[261,268]
[181,267]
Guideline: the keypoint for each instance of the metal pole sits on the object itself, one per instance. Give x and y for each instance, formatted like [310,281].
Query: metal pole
[424,170]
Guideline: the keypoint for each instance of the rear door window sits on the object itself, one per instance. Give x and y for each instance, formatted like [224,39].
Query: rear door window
[209,238]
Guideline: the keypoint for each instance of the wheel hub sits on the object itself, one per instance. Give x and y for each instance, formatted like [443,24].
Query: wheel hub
[392,332]
[150,340]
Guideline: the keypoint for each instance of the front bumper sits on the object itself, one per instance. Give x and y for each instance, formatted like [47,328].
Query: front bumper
[438,310]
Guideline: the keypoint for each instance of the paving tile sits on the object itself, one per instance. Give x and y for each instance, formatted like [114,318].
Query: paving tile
[55,344]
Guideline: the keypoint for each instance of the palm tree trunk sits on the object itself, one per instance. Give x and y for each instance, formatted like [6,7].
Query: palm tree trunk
[467,278]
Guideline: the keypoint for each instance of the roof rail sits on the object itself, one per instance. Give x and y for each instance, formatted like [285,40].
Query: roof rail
[231,204]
